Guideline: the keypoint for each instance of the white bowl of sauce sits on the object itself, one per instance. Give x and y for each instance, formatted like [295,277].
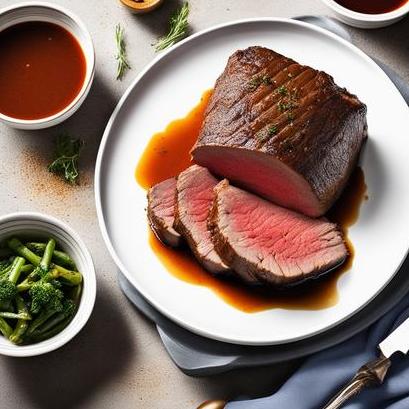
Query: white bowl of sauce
[47,65]
[369,13]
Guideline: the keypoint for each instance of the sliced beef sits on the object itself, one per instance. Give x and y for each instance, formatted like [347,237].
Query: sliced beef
[161,211]
[283,130]
[194,198]
[268,244]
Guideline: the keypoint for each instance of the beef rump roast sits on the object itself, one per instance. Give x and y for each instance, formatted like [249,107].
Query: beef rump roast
[282,130]
[161,211]
[195,196]
[268,244]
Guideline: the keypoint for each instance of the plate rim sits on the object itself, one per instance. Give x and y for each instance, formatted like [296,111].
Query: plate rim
[105,138]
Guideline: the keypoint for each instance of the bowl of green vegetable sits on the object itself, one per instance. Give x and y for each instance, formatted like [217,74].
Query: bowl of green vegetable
[47,284]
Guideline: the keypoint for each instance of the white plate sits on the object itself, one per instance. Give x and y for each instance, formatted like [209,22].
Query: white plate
[167,89]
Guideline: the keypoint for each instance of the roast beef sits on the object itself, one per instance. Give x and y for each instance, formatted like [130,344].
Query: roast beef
[268,244]
[283,130]
[194,199]
[161,211]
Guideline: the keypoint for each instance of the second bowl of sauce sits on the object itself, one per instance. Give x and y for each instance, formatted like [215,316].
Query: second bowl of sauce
[369,13]
[372,6]
[46,65]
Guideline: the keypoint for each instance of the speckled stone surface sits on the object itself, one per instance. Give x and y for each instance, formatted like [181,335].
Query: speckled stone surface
[117,361]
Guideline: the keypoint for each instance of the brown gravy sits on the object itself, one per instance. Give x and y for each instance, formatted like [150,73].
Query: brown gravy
[42,69]
[167,154]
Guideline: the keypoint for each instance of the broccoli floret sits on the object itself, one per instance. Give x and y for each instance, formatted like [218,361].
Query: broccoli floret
[68,311]
[50,315]
[50,323]
[45,294]
[8,288]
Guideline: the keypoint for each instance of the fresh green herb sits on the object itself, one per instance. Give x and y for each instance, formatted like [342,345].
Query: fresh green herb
[285,106]
[282,90]
[123,64]
[255,82]
[290,116]
[178,27]
[263,135]
[67,154]
[272,130]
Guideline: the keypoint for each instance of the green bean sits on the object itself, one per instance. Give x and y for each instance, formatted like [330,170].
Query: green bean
[59,257]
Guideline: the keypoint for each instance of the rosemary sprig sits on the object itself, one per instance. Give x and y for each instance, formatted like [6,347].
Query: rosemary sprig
[67,154]
[123,64]
[177,30]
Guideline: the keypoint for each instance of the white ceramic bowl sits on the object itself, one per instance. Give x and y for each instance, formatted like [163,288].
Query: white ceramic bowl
[39,11]
[362,20]
[36,225]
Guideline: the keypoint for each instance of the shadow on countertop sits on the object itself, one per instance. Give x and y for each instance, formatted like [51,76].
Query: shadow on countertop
[67,377]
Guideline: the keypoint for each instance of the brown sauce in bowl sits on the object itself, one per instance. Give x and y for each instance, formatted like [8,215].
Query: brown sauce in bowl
[166,155]
[372,6]
[42,70]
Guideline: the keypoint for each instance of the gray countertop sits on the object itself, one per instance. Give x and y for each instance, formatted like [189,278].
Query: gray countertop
[118,361]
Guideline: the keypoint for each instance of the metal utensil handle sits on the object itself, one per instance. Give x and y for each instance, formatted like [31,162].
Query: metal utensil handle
[370,374]
[213,404]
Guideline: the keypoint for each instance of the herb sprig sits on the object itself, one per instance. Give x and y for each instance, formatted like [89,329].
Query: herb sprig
[67,154]
[178,28]
[121,57]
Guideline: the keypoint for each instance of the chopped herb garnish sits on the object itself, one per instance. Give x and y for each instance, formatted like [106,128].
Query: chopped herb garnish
[255,82]
[290,116]
[282,90]
[67,154]
[286,106]
[272,130]
[263,135]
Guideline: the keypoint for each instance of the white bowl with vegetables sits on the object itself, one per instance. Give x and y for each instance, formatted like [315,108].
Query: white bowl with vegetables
[47,284]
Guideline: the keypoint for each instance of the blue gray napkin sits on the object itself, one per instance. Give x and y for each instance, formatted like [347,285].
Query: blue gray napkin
[324,373]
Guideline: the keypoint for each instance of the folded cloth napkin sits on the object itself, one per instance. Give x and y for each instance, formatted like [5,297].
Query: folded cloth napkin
[323,374]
